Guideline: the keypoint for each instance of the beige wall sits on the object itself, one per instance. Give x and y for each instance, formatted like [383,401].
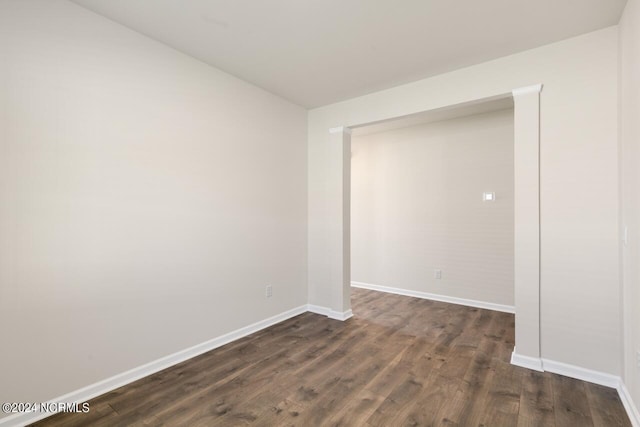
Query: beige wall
[630,182]
[146,199]
[578,176]
[139,212]
[416,206]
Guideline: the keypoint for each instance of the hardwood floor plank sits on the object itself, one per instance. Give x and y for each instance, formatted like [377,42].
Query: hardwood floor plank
[333,395]
[216,399]
[357,410]
[285,413]
[503,399]
[571,407]
[99,415]
[428,407]
[477,384]
[400,361]
[536,401]
[606,407]
[398,404]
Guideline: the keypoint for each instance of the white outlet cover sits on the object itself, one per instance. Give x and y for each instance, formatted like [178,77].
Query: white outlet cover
[489,197]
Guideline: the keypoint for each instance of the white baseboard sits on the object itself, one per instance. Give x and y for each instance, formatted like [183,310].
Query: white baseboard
[318,309]
[339,315]
[565,369]
[579,373]
[584,374]
[436,297]
[629,405]
[109,384]
[526,361]
[332,314]
[599,378]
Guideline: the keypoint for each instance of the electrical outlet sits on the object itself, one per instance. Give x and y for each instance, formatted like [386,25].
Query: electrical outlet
[268,291]
[437,274]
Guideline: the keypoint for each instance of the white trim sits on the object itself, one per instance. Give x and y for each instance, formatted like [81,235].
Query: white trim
[109,384]
[340,129]
[534,363]
[339,315]
[332,314]
[527,89]
[629,405]
[579,373]
[583,374]
[318,309]
[119,380]
[436,297]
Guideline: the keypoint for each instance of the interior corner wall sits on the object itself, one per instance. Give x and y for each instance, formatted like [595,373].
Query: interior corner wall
[417,206]
[580,280]
[630,189]
[146,199]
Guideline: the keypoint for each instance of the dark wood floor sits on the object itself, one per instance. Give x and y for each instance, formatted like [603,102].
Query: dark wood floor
[399,362]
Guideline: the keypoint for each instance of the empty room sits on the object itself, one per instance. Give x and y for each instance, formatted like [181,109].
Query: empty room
[355,213]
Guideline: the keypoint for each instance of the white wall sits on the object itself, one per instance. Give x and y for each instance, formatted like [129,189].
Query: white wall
[630,183]
[579,182]
[146,199]
[416,206]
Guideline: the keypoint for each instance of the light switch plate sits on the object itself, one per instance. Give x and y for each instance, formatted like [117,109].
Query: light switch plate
[489,197]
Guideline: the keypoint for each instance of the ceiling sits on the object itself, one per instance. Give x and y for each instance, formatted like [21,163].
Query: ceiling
[316,52]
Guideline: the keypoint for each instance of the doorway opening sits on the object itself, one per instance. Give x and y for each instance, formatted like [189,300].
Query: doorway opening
[526,208]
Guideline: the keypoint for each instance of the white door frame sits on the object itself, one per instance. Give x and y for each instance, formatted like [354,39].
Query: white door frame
[526,213]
